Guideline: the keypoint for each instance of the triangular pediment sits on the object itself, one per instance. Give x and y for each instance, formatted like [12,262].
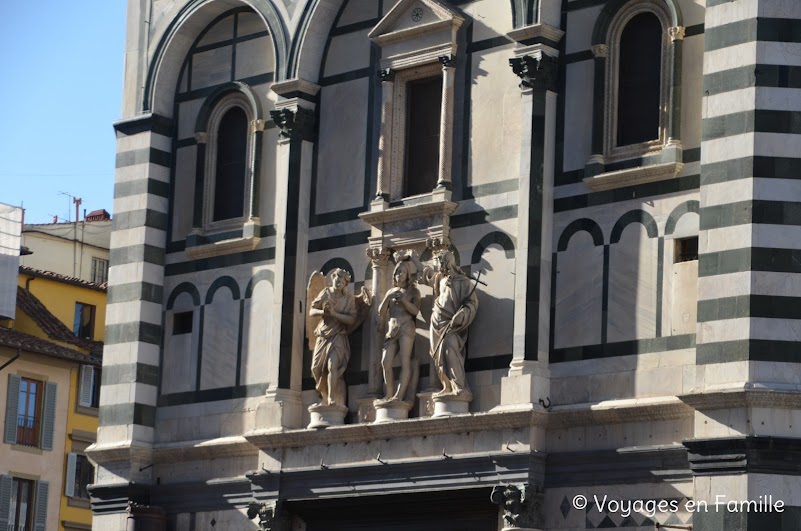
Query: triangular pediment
[415,17]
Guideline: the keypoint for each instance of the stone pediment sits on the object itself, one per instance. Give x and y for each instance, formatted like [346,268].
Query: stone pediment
[414,18]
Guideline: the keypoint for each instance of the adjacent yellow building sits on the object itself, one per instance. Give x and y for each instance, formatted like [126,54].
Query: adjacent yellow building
[51,356]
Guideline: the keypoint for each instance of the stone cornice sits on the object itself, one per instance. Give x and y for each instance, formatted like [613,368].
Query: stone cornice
[741,397]
[124,451]
[536,31]
[291,86]
[403,213]
[203,450]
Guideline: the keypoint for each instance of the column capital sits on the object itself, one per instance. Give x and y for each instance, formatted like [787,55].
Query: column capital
[676,33]
[536,72]
[448,61]
[522,505]
[386,74]
[297,123]
[202,138]
[600,51]
[379,256]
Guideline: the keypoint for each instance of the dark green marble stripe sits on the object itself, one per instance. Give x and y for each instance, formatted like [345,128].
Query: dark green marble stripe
[122,414]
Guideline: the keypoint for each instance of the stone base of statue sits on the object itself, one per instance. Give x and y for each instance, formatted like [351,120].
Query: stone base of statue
[324,416]
[447,405]
[426,403]
[366,409]
[390,410]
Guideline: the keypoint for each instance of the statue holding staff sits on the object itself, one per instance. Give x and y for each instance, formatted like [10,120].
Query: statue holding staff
[455,307]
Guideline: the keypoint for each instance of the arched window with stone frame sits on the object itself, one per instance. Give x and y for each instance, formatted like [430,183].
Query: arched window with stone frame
[637,94]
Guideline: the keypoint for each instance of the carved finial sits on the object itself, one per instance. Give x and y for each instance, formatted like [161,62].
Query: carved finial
[522,505]
[676,33]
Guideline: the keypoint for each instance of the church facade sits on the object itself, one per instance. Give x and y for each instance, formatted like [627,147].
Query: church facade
[591,207]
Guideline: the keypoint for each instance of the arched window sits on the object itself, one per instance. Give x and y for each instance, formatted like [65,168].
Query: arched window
[639,80]
[637,48]
[229,180]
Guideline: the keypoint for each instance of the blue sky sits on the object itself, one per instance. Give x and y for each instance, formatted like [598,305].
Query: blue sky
[61,66]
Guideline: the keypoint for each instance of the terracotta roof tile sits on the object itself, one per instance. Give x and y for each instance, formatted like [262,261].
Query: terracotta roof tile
[63,278]
[16,339]
[55,329]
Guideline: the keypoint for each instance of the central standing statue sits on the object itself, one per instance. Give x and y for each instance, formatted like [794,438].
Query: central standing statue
[455,306]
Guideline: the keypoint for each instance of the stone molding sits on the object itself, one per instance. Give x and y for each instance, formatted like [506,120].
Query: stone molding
[291,86]
[740,455]
[618,411]
[203,450]
[383,33]
[124,451]
[631,176]
[234,245]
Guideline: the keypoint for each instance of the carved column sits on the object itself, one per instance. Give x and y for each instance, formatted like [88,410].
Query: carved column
[674,127]
[379,261]
[446,121]
[385,139]
[596,163]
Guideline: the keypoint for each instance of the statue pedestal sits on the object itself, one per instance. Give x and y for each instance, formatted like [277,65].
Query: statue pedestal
[445,406]
[426,403]
[387,411]
[325,416]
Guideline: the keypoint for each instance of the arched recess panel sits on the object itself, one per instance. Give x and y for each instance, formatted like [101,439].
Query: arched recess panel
[259,365]
[234,47]
[579,292]
[181,326]
[221,319]
[492,331]
[632,285]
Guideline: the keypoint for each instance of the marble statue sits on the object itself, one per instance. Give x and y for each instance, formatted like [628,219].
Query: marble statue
[333,315]
[455,306]
[397,314]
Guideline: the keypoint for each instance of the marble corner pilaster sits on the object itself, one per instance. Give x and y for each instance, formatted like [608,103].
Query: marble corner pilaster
[379,262]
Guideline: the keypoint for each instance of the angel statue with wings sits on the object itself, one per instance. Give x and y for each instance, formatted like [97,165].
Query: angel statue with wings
[333,315]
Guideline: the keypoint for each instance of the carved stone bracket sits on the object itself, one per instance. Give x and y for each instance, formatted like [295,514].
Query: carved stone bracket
[536,72]
[272,516]
[522,505]
[295,124]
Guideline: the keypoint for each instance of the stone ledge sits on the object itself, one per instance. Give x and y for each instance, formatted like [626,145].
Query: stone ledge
[618,411]
[207,449]
[746,395]
[123,451]
[418,427]
[235,245]
[631,176]
[407,212]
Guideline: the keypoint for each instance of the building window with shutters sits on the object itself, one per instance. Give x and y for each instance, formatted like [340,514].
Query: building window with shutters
[84,321]
[80,474]
[89,395]
[23,504]
[99,270]
[30,412]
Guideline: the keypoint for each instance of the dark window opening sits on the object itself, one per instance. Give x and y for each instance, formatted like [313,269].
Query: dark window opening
[29,412]
[21,505]
[84,476]
[423,110]
[687,249]
[639,82]
[84,321]
[182,323]
[229,183]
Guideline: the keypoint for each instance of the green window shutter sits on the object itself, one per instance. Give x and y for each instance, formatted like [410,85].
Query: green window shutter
[69,484]
[40,516]
[12,407]
[87,379]
[5,501]
[49,415]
